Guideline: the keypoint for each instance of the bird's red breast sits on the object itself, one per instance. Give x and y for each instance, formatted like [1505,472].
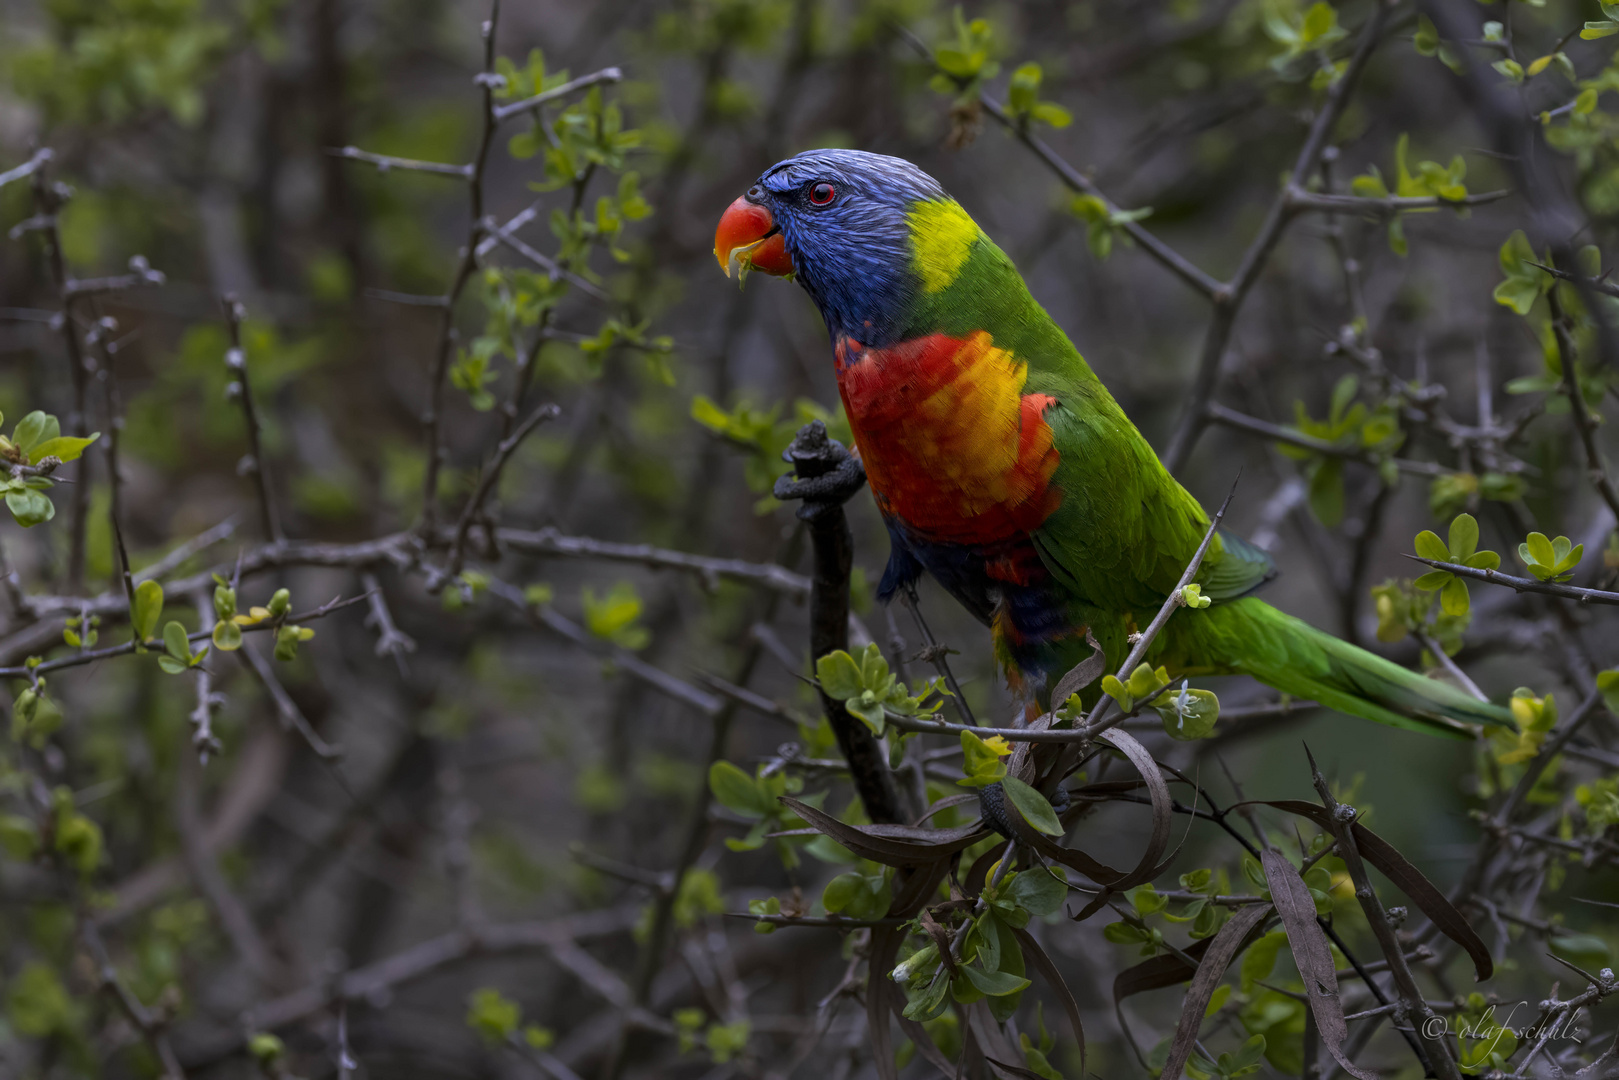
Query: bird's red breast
[952,446]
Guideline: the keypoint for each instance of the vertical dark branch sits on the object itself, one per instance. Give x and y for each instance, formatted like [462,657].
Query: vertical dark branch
[242,388]
[827,476]
[1584,424]
[434,419]
[49,198]
[115,429]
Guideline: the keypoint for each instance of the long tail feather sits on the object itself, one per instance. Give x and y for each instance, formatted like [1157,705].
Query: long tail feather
[1250,637]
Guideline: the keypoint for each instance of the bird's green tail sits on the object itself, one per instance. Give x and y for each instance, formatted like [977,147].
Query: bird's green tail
[1250,637]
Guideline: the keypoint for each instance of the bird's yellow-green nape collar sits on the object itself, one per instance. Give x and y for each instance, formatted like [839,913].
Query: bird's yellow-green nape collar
[942,236]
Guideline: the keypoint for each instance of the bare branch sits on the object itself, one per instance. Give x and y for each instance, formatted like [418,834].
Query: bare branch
[488,477]
[386,163]
[242,388]
[584,82]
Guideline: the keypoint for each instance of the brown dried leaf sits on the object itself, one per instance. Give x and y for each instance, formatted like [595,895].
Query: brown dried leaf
[1216,955]
[1034,954]
[1311,954]
[884,950]
[891,845]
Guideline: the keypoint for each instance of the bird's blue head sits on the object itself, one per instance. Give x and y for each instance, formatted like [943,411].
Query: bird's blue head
[842,222]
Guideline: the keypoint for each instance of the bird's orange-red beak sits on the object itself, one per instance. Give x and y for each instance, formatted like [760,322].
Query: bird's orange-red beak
[747,237]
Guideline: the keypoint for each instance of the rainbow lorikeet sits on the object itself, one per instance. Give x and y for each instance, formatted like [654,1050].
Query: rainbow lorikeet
[1004,468]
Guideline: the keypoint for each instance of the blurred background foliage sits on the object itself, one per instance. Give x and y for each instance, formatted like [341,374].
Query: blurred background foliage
[200,134]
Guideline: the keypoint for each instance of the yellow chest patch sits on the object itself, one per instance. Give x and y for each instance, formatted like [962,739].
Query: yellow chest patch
[942,236]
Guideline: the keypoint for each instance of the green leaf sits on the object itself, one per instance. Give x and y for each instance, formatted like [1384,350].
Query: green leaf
[35,428]
[1033,806]
[1463,538]
[172,666]
[1453,599]
[1434,579]
[65,447]
[492,1015]
[994,983]
[1429,546]
[175,642]
[30,507]
[981,759]
[839,675]
[227,636]
[1039,891]
[148,609]
[735,789]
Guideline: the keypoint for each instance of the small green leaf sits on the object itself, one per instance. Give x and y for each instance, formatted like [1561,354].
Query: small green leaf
[148,609]
[65,447]
[1429,546]
[1039,891]
[1453,599]
[1463,538]
[994,983]
[1034,807]
[227,636]
[30,507]
[175,642]
[839,675]
[735,789]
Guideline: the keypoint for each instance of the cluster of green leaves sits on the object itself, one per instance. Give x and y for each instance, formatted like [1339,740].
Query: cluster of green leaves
[867,687]
[1104,224]
[763,435]
[177,657]
[1604,27]
[1403,609]
[1430,180]
[1205,916]
[1483,1043]
[1524,282]
[1023,100]
[1450,493]
[758,798]
[722,1041]
[991,964]
[37,436]
[1522,287]
[1599,801]
[1462,550]
[1536,716]
[110,60]
[35,716]
[966,63]
[65,833]
[498,1020]
[516,300]
[1304,33]
[1550,560]
[1351,426]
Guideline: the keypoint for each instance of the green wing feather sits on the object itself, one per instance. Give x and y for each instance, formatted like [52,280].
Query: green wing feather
[1126,529]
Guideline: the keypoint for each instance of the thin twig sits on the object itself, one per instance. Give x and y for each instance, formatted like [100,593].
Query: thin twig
[242,388]
[1097,721]
[503,113]
[386,163]
[488,477]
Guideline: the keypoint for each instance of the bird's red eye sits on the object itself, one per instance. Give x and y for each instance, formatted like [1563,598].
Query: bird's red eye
[821,194]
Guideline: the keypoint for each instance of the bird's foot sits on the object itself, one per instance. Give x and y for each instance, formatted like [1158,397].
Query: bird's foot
[825,475]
